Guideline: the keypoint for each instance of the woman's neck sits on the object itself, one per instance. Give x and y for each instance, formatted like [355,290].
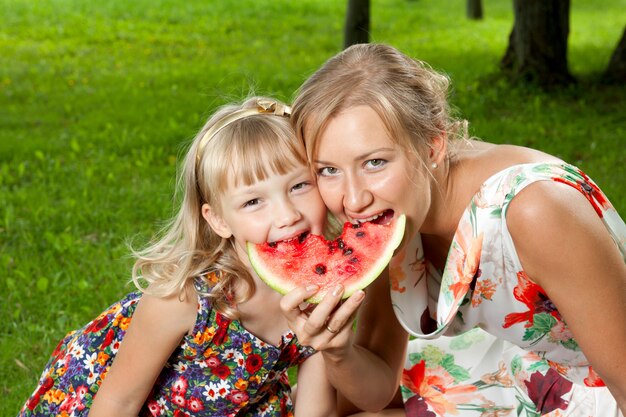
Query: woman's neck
[453,185]
[468,165]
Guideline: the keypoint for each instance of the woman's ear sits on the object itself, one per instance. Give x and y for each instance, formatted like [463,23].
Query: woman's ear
[216,222]
[438,149]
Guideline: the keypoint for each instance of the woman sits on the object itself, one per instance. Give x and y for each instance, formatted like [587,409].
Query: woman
[510,274]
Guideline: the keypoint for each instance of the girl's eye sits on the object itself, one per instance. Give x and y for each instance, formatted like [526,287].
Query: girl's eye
[375,163]
[300,186]
[251,203]
[326,171]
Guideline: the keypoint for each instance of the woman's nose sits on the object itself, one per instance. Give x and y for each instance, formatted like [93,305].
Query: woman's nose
[357,196]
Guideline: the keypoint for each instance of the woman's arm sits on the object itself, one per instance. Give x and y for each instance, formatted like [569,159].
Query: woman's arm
[316,396]
[564,247]
[156,329]
[364,367]
[381,342]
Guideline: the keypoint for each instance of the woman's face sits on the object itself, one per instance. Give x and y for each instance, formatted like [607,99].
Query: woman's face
[364,175]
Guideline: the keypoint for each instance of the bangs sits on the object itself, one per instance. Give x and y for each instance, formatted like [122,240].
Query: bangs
[263,157]
[245,153]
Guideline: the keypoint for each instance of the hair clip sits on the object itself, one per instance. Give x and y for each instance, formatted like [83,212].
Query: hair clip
[269,106]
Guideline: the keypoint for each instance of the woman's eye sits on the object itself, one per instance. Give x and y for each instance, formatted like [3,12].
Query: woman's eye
[326,171]
[375,163]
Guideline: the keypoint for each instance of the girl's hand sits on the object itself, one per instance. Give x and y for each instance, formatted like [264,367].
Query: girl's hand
[327,326]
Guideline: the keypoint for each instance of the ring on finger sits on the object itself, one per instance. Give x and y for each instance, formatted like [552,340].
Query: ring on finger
[330,329]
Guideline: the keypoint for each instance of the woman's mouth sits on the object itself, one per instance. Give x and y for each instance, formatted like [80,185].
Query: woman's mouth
[384,217]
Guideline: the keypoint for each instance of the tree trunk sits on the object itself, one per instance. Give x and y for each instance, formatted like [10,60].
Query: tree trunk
[357,22]
[474,9]
[616,70]
[537,50]
[508,60]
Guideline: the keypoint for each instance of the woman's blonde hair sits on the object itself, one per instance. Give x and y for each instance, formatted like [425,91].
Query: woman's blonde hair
[410,98]
[240,144]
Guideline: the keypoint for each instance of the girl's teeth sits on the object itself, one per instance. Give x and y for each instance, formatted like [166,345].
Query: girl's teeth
[300,237]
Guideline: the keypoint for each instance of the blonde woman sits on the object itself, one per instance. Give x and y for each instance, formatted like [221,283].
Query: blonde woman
[511,278]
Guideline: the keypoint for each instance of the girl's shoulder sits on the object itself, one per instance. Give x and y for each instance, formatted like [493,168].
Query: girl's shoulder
[175,311]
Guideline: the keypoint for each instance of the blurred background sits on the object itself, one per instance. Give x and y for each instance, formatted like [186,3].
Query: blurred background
[99,99]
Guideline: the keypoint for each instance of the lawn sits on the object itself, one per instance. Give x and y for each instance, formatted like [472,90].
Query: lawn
[98,99]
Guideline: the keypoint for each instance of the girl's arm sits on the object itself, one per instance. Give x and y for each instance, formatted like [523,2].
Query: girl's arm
[565,248]
[365,366]
[316,396]
[156,329]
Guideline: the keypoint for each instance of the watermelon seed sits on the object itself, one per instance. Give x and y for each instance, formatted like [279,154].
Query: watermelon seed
[340,243]
[347,251]
[356,225]
[272,244]
[320,269]
[354,260]
[360,234]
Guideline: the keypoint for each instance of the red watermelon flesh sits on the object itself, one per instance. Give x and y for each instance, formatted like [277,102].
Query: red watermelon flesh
[354,259]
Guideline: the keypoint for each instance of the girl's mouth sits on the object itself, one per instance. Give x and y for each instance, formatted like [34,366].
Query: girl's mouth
[299,237]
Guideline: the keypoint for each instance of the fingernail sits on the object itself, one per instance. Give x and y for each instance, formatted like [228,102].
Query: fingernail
[359,296]
[311,287]
[337,290]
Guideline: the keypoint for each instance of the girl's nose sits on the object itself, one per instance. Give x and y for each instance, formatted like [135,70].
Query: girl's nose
[357,196]
[286,214]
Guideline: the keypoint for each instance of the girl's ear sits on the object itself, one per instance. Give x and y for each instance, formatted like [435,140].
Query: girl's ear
[216,222]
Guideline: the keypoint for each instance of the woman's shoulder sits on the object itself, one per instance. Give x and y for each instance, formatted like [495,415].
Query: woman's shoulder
[476,165]
[492,158]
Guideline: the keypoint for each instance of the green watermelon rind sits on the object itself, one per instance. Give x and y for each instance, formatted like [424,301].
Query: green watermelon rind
[284,286]
[383,260]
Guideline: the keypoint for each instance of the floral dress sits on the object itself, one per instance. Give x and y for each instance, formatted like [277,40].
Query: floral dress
[499,347]
[219,370]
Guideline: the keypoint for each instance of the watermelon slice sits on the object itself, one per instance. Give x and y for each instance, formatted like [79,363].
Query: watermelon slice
[354,259]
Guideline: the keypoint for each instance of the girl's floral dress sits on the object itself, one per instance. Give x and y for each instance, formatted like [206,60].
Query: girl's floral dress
[500,347]
[219,370]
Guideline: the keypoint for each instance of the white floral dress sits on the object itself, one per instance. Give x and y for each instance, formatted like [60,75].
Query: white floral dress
[500,347]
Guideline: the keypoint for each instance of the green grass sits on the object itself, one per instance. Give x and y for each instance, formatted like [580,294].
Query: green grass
[97,98]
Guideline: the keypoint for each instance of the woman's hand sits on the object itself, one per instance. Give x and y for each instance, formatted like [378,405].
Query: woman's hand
[363,365]
[327,326]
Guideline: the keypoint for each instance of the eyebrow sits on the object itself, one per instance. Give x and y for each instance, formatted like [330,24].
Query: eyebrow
[359,157]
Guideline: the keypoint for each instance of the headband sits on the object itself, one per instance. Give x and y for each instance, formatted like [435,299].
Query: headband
[263,106]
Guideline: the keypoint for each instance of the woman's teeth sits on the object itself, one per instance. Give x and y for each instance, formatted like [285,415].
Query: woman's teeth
[369,219]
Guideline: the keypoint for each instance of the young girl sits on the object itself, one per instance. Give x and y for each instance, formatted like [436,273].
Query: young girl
[203,336]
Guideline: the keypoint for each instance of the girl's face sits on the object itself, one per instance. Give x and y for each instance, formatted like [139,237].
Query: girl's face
[279,208]
[363,174]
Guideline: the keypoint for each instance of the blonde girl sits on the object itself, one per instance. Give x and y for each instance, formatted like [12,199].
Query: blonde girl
[202,335]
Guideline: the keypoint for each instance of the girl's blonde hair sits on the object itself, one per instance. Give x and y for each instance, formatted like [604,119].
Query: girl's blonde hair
[244,150]
[408,96]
